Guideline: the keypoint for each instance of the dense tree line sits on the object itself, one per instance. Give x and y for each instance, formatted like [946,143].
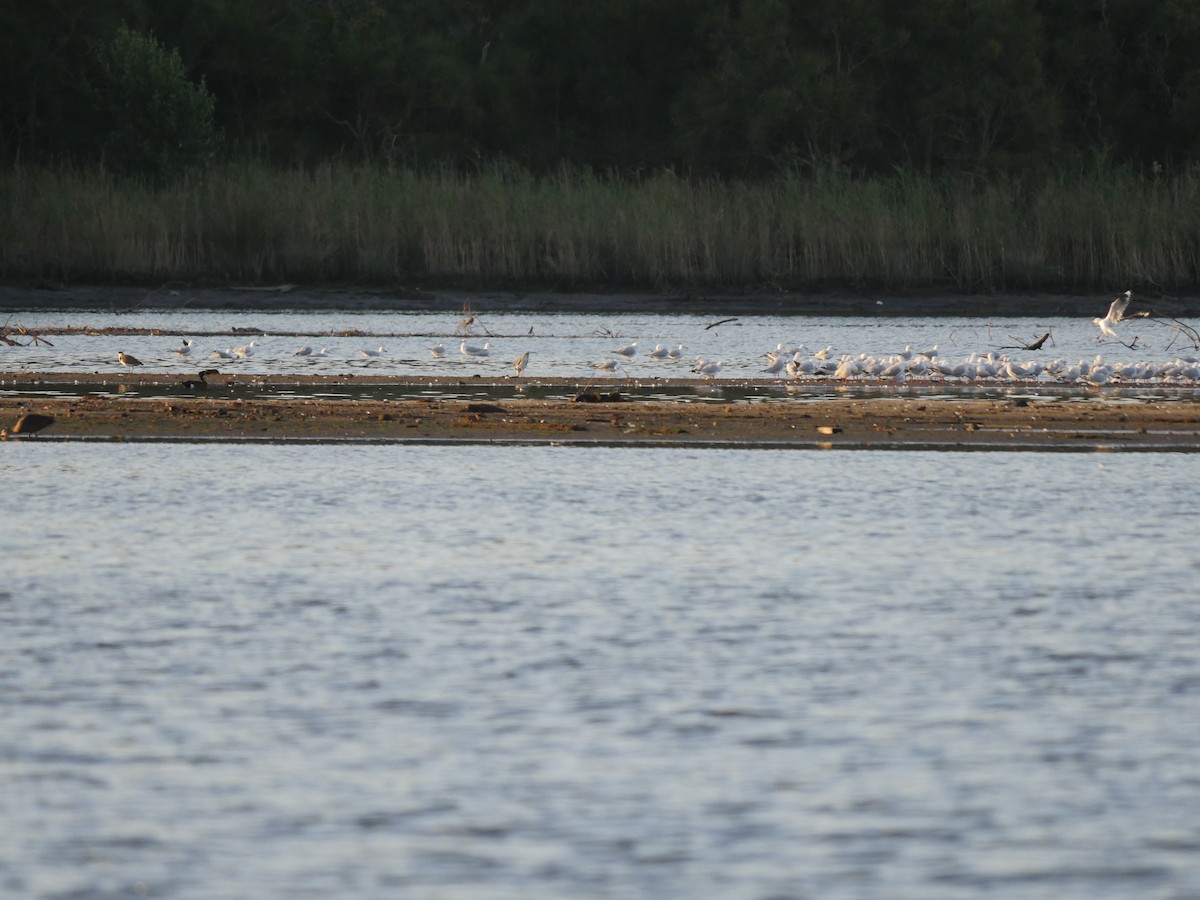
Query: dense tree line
[728,87]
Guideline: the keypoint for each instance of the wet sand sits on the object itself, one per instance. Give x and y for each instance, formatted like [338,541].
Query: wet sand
[907,421]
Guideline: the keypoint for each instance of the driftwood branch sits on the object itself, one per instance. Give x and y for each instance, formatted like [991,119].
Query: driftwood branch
[721,322]
[1182,330]
[1034,345]
[266,288]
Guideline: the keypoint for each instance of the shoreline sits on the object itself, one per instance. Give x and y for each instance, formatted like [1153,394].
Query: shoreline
[912,422]
[176,296]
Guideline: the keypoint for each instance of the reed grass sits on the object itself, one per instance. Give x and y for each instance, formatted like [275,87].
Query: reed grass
[503,227]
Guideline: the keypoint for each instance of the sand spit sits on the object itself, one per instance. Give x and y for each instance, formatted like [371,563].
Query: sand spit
[598,413]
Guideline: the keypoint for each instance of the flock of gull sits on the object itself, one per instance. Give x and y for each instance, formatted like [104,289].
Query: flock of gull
[793,362]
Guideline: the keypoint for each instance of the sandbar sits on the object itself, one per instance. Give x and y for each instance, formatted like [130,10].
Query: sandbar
[593,414]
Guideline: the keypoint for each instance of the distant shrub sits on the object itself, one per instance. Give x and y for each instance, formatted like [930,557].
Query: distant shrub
[153,120]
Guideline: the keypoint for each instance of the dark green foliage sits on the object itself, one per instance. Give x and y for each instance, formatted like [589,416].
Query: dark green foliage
[727,87]
[151,119]
[44,49]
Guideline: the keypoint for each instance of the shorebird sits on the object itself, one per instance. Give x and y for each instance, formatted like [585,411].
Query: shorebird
[1116,312]
[437,351]
[128,361]
[522,361]
[471,350]
[847,368]
[183,349]
[200,385]
[776,363]
[29,423]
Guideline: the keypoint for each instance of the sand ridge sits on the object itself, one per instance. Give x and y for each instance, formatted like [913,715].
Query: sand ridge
[613,415]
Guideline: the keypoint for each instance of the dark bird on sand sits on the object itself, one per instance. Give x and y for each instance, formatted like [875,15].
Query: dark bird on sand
[200,385]
[29,423]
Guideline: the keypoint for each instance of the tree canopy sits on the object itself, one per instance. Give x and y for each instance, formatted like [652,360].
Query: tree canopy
[710,87]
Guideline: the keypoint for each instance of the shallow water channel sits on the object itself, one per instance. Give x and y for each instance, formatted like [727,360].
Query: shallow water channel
[564,348]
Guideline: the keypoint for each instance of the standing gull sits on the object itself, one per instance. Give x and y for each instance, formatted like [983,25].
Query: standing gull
[1116,312]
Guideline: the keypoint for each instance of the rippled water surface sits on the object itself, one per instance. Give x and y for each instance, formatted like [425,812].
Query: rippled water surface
[560,344]
[236,670]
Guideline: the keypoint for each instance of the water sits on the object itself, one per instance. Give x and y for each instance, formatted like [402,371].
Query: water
[560,344]
[503,672]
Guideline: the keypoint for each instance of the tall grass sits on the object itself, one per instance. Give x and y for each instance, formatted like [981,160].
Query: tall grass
[504,227]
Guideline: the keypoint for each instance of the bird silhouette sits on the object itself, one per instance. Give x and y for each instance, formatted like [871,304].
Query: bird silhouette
[29,424]
[202,383]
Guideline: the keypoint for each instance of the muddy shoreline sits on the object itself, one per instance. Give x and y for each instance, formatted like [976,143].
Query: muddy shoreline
[15,299]
[606,415]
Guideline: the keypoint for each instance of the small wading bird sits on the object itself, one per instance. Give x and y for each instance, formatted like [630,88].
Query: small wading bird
[28,424]
[200,385]
[1116,312]
[522,361]
[128,361]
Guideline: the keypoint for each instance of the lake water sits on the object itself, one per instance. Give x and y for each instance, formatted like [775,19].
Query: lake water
[334,670]
[560,344]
